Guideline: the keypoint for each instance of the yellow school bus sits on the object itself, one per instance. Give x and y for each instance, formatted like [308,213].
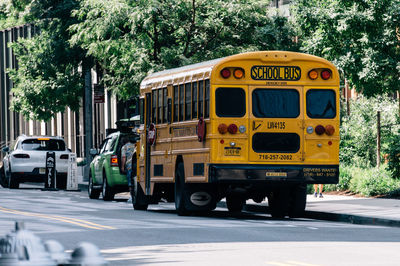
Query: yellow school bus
[249,126]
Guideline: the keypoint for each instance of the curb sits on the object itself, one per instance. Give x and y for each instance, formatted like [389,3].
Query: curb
[326,216]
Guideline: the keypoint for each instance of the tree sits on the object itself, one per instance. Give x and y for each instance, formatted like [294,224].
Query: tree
[361,37]
[129,39]
[48,79]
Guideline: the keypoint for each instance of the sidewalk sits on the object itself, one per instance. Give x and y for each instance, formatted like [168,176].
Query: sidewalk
[349,209]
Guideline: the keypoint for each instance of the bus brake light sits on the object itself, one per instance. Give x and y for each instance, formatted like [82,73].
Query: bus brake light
[222,128]
[319,130]
[329,129]
[232,129]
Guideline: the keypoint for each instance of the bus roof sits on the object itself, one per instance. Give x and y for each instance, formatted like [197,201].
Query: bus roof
[166,77]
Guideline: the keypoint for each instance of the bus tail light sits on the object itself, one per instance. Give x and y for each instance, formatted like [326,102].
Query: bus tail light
[319,130]
[114,160]
[326,74]
[21,156]
[313,74]
[238,73]
[329,129]
[232,129]
[225,73]
[222,128]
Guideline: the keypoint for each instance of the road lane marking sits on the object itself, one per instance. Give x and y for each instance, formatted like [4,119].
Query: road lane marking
[301,263]
[74,221]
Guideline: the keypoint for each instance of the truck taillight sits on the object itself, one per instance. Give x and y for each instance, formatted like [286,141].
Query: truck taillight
[114,160]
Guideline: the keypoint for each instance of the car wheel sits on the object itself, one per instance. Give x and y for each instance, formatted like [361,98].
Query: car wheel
[93,193]
[107,192]
[139,199]
[3,179]
[180,191]
[234,203]
[12,182]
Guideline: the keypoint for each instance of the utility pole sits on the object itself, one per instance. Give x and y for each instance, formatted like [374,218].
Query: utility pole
[88,114]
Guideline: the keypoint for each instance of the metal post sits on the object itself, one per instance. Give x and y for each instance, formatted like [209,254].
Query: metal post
[88,116]
[378,139]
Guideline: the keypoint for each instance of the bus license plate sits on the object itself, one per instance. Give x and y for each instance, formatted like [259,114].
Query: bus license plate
[42,171]
[232,151]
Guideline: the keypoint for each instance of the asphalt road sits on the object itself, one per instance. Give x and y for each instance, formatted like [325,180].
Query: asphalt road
[159,236]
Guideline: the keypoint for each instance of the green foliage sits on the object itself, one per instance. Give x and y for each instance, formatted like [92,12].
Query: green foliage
[12,13]
[373,181]
[359,130]
[360,37]
[48,80]
[130,39]
[345,176]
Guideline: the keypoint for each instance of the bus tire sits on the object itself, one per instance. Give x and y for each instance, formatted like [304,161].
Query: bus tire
[107,192]
[92,192]
[180,191]
[234,203]
[298,199]
[139,199]
[278,203]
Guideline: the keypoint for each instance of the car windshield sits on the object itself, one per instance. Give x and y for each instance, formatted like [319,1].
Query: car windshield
[43,145]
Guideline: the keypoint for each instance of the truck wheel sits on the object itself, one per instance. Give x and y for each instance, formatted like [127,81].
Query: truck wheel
[93,193]
[107,192]
[298,201]
[234,203]
[139,199]
[278,202]
[180,191]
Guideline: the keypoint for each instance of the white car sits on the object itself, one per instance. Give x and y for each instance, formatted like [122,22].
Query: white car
[26,162]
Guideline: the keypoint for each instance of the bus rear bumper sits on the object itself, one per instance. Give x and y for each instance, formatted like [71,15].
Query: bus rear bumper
[278,174]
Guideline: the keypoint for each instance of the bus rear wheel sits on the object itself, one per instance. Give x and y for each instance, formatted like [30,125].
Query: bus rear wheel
[298,199]
[278,202]
[234,203]
[139,199]
[180,191]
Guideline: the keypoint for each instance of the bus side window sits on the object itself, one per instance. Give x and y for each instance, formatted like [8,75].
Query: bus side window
[188,99]
[181,101]
[154,106]
[201,97]
[176,103]
[207,100]
[169,110]
[141,110]
[160,107]
[194,100]
[165,106]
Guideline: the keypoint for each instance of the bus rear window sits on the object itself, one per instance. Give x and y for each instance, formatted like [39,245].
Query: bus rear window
[230,102]
[321,104]
[276,103]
